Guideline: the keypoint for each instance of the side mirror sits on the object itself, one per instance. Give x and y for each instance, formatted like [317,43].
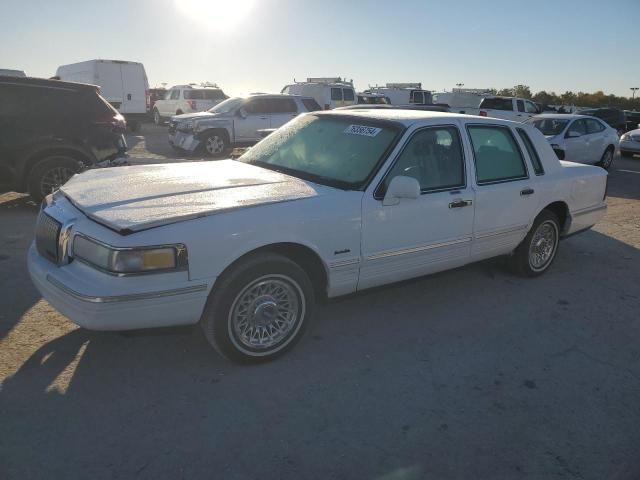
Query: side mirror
[242,113]
[401,187]
[573,134]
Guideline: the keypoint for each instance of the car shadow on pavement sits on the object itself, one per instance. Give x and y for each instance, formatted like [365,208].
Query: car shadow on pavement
[472,373]
[624,179]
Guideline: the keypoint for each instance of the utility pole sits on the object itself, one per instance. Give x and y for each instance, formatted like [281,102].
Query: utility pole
[633,89]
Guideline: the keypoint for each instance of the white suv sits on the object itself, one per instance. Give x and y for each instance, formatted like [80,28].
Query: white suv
[186,99]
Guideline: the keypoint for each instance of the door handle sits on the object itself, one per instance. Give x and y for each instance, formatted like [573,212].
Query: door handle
[527,191]
[264,118]
[459,203]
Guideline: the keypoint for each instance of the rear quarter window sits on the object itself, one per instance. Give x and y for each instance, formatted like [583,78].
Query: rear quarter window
[531,150]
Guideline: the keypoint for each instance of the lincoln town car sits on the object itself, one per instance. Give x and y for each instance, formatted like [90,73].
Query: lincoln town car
[330,204]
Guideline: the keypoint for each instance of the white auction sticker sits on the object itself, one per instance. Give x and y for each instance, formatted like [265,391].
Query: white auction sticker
[363,130]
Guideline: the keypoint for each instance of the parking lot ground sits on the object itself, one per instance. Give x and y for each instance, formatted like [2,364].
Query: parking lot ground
[468,374]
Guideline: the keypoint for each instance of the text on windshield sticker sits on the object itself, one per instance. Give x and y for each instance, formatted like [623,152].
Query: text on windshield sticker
[363,130]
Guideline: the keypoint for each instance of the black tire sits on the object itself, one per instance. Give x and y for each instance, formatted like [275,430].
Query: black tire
[521,260]
[222,319]
[607,158]
[49,174]
[179,112]
[215,144]
[626,154]
[157,118]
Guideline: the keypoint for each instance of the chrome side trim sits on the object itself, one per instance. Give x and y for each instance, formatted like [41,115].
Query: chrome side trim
[344,263]
[584,211]
[406,251]
[503,232]
[124,298]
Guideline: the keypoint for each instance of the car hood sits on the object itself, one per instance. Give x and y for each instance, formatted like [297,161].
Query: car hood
[131,199]
[193,116]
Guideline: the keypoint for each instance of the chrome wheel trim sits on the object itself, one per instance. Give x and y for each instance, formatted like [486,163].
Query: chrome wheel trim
[54,178]
[266,315]
[214,144]
[543,246]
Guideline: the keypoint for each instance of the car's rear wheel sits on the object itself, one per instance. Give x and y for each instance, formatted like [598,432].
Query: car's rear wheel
[536,252]
[157,119]
[607,159]
[259,309]
[215,145]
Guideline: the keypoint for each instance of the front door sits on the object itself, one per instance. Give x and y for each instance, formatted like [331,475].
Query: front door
[506,199]
[254,116]
[427,234]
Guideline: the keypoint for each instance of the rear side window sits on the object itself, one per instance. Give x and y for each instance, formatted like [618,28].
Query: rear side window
[204,95]
[348,94]
[496,153]
[336,94]
[594,126]
[311,105]
[520,105]
[497,103]
[281,105]
[256,105]
[531,150]
[579,126]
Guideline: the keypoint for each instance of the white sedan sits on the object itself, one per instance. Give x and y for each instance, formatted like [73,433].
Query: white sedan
[330,204]
[579,138]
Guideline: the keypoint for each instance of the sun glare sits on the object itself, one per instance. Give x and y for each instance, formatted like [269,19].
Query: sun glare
[217,15]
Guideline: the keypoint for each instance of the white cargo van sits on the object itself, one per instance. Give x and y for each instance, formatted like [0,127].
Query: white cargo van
[123,84]
[329,92]
[462,100]
[403,93]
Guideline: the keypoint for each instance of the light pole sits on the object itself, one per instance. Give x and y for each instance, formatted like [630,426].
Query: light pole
[633,89]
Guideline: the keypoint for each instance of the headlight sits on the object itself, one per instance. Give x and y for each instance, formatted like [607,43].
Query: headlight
[555,146]
[130,260]
[625,138]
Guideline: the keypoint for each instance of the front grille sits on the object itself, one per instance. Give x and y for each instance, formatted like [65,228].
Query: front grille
[635,138]
[47,233]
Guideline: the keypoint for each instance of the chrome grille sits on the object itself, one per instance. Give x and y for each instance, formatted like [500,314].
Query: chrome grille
[47,233]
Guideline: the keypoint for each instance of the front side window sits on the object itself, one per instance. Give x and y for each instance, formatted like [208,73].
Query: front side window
[336,94]
[497,103]
[531,150]
[227,105]
[340,152]
[530,107]
[432,156]
[497,156]
[173,95]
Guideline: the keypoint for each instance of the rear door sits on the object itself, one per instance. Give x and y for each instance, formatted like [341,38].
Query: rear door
[109,78]
[255,117]
[281,110]
[506,200]
[577,148]
[596,140]
[134,87]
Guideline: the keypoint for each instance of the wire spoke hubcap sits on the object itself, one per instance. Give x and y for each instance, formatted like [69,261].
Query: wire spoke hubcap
[265,313]
[543,245]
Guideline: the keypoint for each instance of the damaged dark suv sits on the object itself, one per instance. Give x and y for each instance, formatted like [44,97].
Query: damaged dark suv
[50,130]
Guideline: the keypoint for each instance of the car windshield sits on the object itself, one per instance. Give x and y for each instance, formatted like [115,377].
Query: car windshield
[227,105]
[342,152]
[550,126]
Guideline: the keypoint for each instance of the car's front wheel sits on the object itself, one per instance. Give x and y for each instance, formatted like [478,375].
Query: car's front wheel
[215,145]
[259,309]
[50,174]
[536,252]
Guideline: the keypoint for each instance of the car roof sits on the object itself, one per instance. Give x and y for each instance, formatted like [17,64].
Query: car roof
[409,117]
[563,116]
[47,83]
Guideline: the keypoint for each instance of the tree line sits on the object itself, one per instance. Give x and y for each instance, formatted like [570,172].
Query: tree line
[579,99]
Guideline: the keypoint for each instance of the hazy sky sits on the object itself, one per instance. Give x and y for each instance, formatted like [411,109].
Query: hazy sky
[552,45]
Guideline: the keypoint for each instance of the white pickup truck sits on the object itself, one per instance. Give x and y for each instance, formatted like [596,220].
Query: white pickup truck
[507,108]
